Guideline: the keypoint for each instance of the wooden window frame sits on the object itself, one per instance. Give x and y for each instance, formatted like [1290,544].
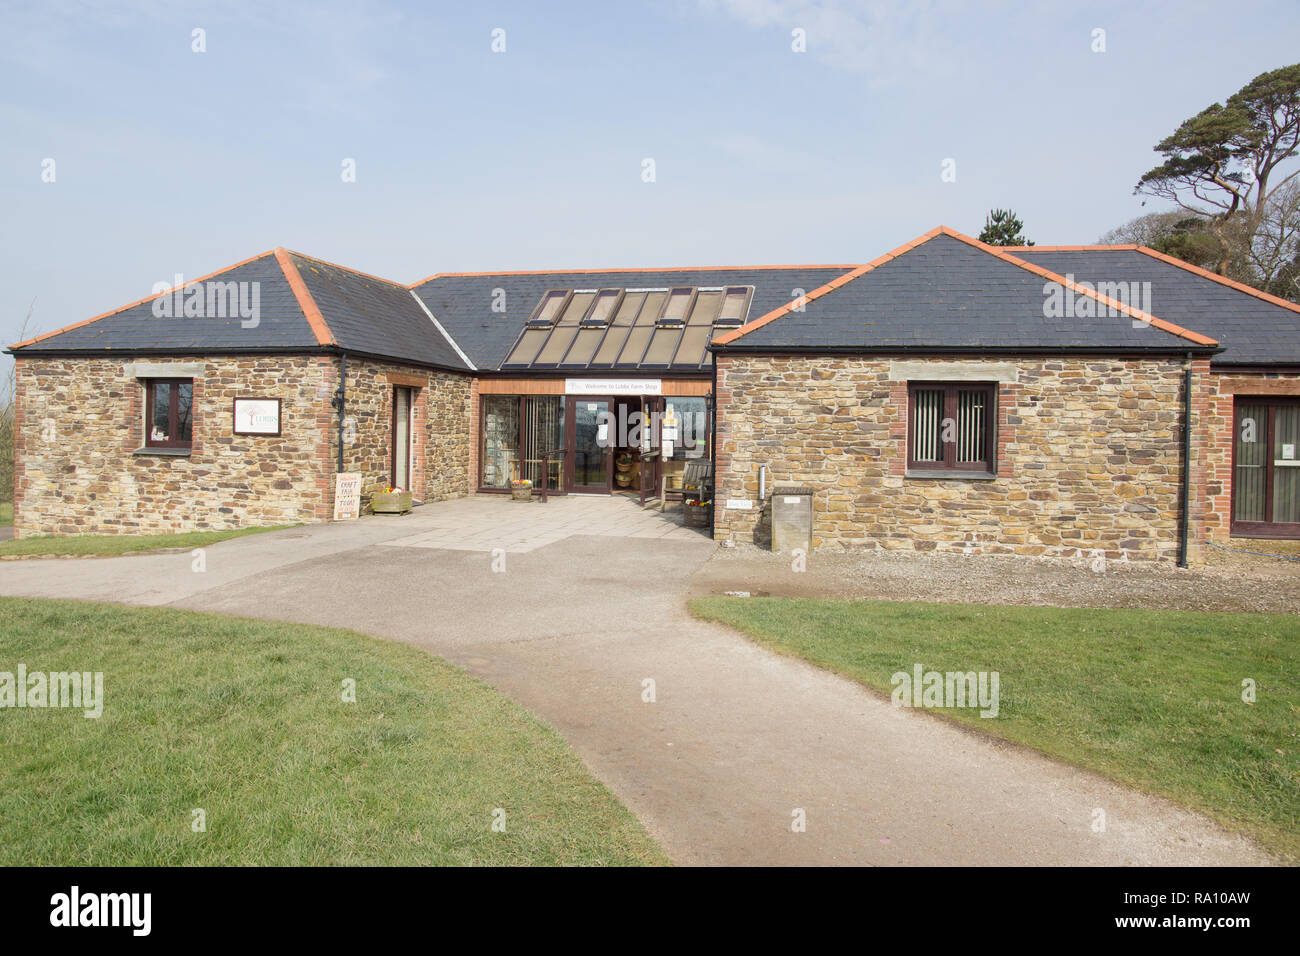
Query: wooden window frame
[950,467]
[1266,528]
[173,406]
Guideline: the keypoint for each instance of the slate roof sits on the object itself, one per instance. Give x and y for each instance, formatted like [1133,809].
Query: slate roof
[942,292]
[375,316]
[303,303]
[945,291]
[1254,329]
[463,302]
[281,322]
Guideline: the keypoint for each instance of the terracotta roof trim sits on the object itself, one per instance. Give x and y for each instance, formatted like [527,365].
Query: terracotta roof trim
[996,252]
[305,301]
[1122,307]
[131,305]
[1173,261]
[1222,280]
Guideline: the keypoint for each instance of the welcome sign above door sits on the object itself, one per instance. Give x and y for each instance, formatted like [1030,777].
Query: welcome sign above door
[613,386]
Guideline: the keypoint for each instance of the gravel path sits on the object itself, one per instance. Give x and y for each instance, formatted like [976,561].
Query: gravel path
[1230,582]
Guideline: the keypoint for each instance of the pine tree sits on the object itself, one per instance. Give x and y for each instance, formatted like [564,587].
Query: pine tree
[1002,228]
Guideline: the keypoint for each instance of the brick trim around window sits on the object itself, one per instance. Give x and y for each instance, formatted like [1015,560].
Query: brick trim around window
[952,429]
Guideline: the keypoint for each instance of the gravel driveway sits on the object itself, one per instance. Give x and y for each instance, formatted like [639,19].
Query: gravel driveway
[1232,582]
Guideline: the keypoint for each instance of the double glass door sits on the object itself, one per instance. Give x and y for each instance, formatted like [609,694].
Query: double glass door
[589,455]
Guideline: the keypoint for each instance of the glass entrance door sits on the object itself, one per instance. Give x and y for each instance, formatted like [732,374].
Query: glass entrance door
[589,424]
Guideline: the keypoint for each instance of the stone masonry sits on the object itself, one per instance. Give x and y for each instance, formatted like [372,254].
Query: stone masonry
[80,428]
[1089,457]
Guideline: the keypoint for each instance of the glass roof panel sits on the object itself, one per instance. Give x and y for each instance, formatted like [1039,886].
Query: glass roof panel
[627,311]
[675,308]
[606,299]
[733,307]
[692,349]
[662,346]
[549,306]
[705,308]
[555,347]
[576,308]
[584,346]
[526,349]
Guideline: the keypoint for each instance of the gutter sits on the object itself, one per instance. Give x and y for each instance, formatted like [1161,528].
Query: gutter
[198,352]
[869,351]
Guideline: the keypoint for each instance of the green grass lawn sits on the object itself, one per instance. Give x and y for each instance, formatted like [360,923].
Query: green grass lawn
[113,544]
[6,513]
[244,719]
[1149,698]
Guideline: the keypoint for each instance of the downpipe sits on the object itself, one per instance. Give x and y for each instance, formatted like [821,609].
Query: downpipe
[1185,516]
[339,401]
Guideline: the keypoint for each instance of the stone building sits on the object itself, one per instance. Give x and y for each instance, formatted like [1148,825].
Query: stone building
[1059,401]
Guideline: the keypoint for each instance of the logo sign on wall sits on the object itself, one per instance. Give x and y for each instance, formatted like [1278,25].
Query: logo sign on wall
[347,495]
[257,416]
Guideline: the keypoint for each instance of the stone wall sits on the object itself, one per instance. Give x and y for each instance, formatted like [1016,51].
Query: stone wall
[82,422]
[80,426]
[1089,456]
[443,435]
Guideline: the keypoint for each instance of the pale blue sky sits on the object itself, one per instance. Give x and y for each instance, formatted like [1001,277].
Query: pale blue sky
[170,161]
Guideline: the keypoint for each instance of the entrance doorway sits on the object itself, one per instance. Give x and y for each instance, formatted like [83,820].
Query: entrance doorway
[589,456]
[403,401]
[589,443]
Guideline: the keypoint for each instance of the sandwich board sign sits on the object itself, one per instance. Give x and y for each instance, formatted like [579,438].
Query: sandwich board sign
[347,495]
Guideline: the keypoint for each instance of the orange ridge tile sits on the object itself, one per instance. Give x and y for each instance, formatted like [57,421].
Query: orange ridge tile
[148,298]
[305,301]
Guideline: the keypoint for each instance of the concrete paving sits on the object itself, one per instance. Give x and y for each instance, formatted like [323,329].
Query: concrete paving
[737,740]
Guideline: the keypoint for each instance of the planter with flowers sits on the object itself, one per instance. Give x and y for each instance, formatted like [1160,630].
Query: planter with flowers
[521,489]
[394,501]
[696,512]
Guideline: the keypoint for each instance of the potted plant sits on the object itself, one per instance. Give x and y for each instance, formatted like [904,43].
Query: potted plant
[521,489]
[394,501]
[696,512]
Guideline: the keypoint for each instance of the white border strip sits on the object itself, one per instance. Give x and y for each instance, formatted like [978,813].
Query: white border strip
[450,340]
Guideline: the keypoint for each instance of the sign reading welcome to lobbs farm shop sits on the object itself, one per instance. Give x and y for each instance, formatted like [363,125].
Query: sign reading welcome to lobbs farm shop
[613,386]
[347,495]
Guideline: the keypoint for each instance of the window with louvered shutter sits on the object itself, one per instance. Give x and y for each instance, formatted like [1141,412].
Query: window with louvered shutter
[951,427]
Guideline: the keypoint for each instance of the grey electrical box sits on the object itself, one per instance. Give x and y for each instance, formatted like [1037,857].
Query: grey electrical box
[792,513]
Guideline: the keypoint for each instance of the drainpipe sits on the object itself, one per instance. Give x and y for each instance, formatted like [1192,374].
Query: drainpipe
[1185,518]
[339,400]
[712,403]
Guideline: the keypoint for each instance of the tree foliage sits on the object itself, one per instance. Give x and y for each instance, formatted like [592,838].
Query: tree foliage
[1003,228]
[1223,165]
